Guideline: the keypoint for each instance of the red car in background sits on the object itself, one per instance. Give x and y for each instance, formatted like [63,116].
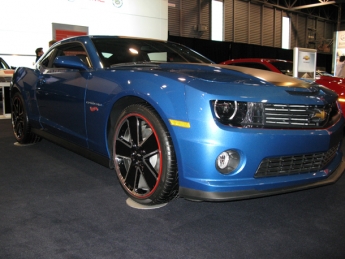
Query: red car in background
[337,84]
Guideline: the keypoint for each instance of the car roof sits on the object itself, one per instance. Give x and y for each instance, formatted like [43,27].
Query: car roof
[109,37]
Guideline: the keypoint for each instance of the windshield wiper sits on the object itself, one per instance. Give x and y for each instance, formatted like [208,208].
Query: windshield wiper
[135,64]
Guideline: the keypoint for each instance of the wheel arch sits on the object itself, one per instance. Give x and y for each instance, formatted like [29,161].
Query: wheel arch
[13,91]
[116,111]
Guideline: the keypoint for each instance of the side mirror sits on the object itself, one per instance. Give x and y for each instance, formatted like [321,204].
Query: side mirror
[73,62]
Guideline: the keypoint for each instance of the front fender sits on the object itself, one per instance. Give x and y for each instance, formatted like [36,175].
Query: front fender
[104,91]
[25,81]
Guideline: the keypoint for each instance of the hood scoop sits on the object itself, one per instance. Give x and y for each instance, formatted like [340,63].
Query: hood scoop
[308,91]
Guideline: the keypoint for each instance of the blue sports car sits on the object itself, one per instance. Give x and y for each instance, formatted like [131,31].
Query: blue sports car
[172,123]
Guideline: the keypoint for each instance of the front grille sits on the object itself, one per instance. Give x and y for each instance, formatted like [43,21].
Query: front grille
[5,79]
[297,115]
[275,116]
[288,165]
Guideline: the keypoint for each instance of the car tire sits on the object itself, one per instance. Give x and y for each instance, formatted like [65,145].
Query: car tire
[144,156]
[21,126]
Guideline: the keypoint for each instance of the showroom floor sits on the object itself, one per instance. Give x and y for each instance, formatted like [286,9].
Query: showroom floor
[56,204]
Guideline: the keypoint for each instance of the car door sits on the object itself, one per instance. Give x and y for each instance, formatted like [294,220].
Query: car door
[61,95]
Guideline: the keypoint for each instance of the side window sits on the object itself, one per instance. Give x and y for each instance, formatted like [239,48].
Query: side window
[76,50]
[47,61]
[252,65]
[3,64]
[68,49]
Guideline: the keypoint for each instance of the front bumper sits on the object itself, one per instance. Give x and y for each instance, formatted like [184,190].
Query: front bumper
[200,145]
[239,195]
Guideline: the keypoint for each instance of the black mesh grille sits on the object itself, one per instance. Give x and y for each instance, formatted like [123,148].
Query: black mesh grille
[287,165]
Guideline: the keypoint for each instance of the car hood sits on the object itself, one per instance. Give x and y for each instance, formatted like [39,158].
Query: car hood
[220,73]
[238,75]
[225,80]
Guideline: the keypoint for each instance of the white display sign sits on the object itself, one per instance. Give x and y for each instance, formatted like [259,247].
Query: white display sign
[339,50]
[304,63]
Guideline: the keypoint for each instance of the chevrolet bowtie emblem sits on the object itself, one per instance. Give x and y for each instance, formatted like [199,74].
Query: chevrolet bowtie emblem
[319,115]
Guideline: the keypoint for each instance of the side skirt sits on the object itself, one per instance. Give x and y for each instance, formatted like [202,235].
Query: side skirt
[102,160]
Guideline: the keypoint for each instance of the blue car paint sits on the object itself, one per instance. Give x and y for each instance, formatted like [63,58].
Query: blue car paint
[199,149]
[184,92]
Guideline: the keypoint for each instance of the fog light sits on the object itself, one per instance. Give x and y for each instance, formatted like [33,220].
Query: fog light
[227,161]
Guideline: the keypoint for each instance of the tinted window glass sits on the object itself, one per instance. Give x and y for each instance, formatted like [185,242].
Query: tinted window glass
[251,65]
[120,50]
[47,60]
[3,64]
[284,67]
[69,49]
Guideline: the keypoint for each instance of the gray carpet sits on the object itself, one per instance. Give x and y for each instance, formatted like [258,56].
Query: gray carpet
[56,204]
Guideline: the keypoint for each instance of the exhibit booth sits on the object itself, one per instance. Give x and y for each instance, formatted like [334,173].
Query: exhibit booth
[21,37]
[58,19]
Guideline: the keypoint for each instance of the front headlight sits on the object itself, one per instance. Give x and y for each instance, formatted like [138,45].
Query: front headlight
[239,114]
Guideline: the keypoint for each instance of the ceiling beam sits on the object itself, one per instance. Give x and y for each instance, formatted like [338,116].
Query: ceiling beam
[312,5]
[322,2]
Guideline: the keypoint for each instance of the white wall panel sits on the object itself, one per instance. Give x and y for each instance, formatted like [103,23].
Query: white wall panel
[27,25]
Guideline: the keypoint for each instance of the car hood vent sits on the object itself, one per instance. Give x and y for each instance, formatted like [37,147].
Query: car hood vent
[308,91]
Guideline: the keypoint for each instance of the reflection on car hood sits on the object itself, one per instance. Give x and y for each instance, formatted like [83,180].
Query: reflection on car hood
[236,74]
[272,77]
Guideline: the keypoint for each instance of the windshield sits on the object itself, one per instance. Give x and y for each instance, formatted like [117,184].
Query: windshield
[285,67]
[114,51]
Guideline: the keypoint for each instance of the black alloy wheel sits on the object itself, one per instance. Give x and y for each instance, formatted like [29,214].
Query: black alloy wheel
[144,156]
[20,124]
